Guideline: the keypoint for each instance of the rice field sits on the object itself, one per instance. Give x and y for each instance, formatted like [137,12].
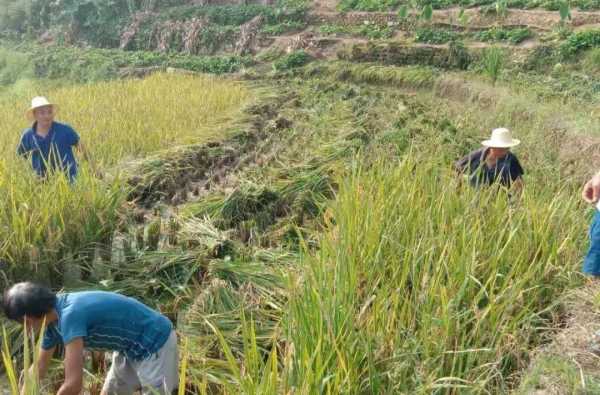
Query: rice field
[344,257]
[122,120]
[42,224]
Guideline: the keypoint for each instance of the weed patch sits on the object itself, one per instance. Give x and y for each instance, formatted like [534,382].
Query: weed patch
[291,61]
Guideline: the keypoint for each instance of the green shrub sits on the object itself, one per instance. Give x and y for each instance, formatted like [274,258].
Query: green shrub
[375,32]
[293,60]
[14,66]
[281,28]
[209,64]
[88,65]
[541,58]
[459,56]
[580,41]
[371,31]
[434,36]
[14,15]
[368,5]
[332,28]
[514,36]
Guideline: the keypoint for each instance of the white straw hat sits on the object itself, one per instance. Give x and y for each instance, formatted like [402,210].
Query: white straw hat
[501,138]
[37,102]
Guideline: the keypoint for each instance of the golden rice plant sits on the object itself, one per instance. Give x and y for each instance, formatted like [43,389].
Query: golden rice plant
[43,222]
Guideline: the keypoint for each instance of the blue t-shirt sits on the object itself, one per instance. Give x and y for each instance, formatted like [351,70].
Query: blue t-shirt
[110,322]
[506,171]
[55,150]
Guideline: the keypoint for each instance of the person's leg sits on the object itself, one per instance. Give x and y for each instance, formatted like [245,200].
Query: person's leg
[121,378]
[159,374]
[591,264]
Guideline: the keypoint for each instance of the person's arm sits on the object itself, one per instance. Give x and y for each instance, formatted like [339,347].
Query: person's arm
[516,176]
[42,365]
[466,163]
[24,147]
[81,149]
[74,140]
[591,190]
[85,155]
[517,185]
[43,362]
[73,383]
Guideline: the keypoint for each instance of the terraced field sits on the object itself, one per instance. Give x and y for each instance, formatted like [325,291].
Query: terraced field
[298,217]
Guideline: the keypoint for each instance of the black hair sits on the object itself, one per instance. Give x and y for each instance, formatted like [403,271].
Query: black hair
[27,299]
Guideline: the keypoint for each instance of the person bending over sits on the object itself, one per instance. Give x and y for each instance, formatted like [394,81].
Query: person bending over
[143,341]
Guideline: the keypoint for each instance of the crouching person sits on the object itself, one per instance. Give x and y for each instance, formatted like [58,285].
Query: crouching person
[143,341]
[494,163]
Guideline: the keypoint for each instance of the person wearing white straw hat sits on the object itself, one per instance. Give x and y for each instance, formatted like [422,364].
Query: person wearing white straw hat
[48,143]
[494,163]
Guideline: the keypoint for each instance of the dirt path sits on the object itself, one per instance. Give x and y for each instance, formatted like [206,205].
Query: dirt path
[325,5]
[566,365]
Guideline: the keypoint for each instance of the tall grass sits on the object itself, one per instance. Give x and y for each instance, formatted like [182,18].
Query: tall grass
[27,382]
[493,60]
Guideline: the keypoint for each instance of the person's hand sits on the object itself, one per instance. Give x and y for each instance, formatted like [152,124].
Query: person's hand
[591,190]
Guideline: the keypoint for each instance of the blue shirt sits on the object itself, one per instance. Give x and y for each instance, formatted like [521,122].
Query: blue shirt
[506,171]
[110,322]
[54,151]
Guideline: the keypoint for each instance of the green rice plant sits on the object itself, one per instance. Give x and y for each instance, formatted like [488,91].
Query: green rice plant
[28,383]
[292,60]
[427,13]
[421,288]
[492,61]
[501,8]
[256,373]
[564,11]
[580,41]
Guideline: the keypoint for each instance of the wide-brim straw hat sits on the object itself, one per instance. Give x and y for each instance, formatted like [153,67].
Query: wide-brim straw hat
[37,102]
[501,138]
